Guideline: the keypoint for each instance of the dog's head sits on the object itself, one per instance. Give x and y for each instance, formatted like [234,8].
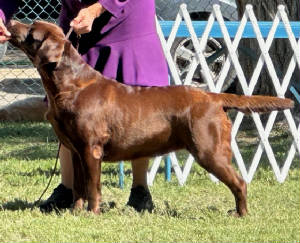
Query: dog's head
[41,41]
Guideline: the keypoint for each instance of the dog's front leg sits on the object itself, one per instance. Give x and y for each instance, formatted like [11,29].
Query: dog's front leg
[92,158]
[79,182]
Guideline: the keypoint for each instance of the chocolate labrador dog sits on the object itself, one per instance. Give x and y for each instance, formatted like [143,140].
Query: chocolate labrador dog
[100,119]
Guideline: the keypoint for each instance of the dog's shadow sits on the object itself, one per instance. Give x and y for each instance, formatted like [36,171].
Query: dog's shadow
[16,205]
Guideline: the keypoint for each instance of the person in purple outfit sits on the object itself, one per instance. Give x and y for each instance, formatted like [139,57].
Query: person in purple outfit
[119,39]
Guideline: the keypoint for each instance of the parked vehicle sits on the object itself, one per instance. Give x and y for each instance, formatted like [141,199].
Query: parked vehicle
[182,49]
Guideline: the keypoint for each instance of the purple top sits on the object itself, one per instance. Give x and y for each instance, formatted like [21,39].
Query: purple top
[123,43]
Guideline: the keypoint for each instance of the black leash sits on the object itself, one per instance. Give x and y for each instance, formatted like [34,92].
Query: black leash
[51,177]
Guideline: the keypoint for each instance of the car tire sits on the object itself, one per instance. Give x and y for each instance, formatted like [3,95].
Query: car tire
[183,53]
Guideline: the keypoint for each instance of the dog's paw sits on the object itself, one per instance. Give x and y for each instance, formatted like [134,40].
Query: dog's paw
[233,213]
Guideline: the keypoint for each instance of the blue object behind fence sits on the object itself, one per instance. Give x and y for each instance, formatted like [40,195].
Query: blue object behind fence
[232,27]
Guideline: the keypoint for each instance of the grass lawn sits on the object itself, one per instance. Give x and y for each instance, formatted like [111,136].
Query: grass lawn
[195,212]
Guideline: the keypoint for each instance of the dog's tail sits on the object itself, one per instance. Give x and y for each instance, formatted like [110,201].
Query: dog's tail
[255,103]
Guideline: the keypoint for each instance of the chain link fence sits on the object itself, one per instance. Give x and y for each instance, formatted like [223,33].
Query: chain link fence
[20,81]
[34,9]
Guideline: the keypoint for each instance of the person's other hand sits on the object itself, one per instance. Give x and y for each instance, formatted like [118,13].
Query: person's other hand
[4,33]
[82,24]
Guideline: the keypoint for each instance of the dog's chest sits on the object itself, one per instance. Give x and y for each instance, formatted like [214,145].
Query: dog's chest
[62,126]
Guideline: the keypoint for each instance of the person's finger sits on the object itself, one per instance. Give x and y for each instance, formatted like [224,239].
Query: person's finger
[78,26]
[3,30]
[82,24]
[6,32]
[76,21]
[3,39]
[83,27]
[82,30]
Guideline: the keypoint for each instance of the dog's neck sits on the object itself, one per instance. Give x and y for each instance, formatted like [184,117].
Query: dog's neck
[69,76]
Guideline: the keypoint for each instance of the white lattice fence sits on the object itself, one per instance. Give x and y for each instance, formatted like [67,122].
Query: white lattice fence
[232,59]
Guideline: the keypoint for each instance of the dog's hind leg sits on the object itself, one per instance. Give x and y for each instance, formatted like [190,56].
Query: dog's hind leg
[211,149]
[219,165]
[225,173]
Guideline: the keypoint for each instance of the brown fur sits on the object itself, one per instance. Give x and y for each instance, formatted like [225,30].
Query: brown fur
[100,119]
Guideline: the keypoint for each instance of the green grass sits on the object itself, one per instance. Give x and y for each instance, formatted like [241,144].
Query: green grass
[195,212]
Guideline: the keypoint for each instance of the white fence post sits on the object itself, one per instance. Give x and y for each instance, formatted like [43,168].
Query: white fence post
[232,59]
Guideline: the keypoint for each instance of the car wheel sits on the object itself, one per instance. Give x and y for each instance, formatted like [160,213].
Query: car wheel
[183,53]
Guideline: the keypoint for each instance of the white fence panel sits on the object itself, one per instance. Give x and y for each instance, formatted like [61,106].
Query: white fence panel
[232,59]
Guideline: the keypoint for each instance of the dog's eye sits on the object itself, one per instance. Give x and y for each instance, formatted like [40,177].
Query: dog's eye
[31,42]
[29,39]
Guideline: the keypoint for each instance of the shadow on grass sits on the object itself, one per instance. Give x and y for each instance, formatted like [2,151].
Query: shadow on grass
[105,207]
[27,140]
[16,205]
[173,212]
[22,205]
[25,130]
[31,152]
[41,172]
[113,170]
[110,184]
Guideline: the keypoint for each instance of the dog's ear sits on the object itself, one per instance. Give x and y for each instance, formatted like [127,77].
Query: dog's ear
[50,51]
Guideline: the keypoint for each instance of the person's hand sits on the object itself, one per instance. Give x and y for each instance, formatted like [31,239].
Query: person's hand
[4,33]
[82,24]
